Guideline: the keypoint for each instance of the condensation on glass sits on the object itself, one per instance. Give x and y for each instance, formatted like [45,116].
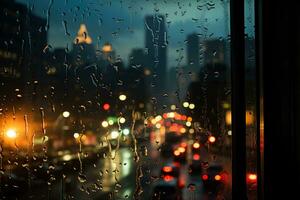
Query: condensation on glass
[117,99]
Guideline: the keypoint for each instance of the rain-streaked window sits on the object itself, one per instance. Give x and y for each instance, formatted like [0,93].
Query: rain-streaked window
[125,99]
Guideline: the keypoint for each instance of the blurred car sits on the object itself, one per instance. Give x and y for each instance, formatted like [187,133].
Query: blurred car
[167,190]
[173,137]
[195,168]
[214,177]
[168,186]
[167,147]
[170,170]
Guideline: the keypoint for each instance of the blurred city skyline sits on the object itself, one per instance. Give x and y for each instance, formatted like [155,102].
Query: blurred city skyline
[122,23]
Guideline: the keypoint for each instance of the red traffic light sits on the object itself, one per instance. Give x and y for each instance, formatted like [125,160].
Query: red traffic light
[106,106]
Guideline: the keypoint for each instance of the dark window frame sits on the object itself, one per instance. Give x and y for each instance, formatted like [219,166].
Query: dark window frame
[277,35]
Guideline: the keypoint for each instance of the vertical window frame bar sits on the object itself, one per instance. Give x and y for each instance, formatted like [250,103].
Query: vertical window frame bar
[237,24]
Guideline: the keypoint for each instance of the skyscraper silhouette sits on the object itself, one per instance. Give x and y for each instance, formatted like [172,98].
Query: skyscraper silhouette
[20,29]
[193,54]
[156,45]
[83,49]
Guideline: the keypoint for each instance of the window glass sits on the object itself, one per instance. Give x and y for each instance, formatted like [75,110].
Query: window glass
[251,105]
[125,99]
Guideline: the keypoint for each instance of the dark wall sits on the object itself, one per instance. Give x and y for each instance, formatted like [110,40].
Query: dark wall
[280,39]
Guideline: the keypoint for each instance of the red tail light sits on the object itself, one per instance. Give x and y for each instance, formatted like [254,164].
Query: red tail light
[183,144]
[196,157]
[168,178]
[205,177]
[224,177]
[165,115]
[167,169]
[252,177]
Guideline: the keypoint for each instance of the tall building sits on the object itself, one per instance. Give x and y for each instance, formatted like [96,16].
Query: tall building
[106,58]
[55,75]
[22,39]
[137,58]
[214,51]
[84,52]
[209,91]
[137,78]
[11,31]
[209,94]
[193,51]
[156,45]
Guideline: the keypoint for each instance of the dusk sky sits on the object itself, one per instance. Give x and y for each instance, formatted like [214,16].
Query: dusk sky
[122,22]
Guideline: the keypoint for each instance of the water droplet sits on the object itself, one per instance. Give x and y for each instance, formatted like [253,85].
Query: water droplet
[96,186]
[145,151]
[216,74]
[205,165]
[82,178]
[214,53]
[52,179]
[191,187]
[25,165]
[51,167]
[82,188]
[100,173]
